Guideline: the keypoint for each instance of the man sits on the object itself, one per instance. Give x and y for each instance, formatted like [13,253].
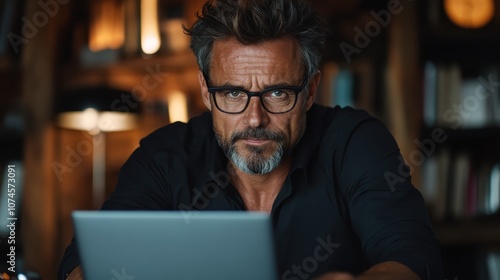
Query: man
[265,146]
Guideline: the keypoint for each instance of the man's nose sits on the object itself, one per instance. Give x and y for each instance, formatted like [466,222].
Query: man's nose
[255,114]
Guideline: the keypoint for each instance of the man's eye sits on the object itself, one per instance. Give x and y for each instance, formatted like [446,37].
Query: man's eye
[234,94]
[278,93]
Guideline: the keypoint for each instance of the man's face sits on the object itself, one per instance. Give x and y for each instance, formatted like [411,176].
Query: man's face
[255,140]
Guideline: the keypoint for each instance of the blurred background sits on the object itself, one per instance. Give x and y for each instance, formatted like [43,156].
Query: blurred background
[81,82]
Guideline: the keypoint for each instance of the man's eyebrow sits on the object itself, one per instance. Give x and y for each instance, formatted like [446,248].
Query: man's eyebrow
[280,84]
[229,84]
[266,86]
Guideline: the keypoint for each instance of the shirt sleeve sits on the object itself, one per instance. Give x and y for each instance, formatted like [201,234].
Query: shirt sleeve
[387,212]
[141,186]
[142,183]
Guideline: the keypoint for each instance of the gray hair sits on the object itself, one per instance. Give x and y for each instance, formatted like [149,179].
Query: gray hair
[254,21]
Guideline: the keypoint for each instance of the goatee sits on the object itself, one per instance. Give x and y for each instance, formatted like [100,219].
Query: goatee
[256,163]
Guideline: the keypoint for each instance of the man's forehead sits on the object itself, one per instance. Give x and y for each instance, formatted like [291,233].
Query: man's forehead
[273,57]
[230,47]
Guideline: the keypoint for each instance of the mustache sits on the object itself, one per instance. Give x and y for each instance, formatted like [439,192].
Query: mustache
[257,133]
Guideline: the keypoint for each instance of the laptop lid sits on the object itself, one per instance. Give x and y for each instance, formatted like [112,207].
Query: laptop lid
[128,245]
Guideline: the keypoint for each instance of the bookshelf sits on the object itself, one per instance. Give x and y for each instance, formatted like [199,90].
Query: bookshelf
[452,90]
[482,232]
[461,179]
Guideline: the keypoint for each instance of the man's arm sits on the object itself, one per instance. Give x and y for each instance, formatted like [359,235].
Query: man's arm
[386,270]
[386,211]
[141,186]
[75,274]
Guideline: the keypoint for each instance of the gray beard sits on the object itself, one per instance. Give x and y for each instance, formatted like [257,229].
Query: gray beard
[257,163]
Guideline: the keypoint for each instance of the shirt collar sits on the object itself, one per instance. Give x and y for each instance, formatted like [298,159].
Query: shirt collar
[216,160]
[308,144]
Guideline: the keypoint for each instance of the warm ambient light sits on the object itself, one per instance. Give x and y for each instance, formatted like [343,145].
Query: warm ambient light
[177,107]
[150,34]
[176,39]
[97,110]
[94,121]
[470,13]
[107,29]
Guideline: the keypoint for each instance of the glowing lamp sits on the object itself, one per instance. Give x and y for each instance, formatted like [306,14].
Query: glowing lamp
[470,13]
[150,31]
[97,110]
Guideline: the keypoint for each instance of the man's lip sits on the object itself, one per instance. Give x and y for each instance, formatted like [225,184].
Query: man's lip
[255,141]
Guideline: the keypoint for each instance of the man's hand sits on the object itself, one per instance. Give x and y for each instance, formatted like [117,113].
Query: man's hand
[75,274]
[336,276]
[386,270]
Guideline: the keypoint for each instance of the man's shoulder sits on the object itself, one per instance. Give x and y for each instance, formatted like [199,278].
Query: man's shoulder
[338,118]
[329,130]
[340,124]
[177,135]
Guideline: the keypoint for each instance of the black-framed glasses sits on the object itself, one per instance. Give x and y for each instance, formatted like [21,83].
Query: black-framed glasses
[275,100]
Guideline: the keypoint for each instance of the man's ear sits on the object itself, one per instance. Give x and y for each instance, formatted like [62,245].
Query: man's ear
[204,90]
[313,89]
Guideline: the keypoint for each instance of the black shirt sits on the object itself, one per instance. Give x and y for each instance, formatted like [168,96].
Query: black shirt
[340,208]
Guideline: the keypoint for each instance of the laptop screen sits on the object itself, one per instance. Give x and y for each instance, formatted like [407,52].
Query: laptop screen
[175,245]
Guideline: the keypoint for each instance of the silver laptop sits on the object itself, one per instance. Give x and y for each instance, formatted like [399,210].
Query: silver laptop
[135,245]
